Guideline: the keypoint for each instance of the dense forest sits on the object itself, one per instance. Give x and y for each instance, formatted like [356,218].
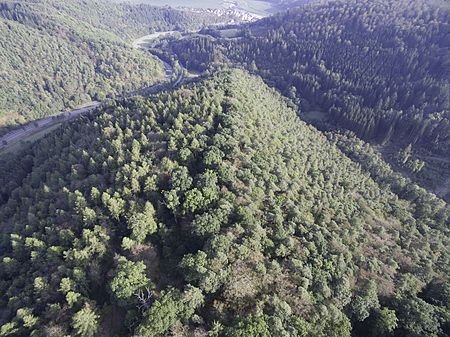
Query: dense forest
[214,210]
[378,68]
[58,54]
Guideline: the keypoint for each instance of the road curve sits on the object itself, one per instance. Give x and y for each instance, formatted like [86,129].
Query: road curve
[142,43]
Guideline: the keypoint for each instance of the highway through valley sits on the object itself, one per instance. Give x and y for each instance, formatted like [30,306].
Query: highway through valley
[33,127]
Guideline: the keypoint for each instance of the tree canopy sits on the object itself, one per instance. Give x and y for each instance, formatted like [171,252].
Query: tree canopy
[215,210]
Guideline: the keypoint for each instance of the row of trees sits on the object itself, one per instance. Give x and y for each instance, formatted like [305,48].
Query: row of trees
[213,210]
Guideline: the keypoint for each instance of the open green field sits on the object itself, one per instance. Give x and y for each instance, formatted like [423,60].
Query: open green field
[182,3]
[253,6]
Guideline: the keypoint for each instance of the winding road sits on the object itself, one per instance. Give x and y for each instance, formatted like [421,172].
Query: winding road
[33,127]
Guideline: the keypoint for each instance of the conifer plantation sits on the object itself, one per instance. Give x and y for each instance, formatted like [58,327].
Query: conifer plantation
[380,69]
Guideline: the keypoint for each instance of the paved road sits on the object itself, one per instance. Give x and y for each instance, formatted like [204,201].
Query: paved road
[35,126]
[169,71]
[179,79]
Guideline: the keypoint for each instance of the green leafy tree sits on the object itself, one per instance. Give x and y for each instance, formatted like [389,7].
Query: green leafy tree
[129,277]
[142,223]
[418,317]
[85,322]
[160,317]
[385,322]
[365,302]
[250,327]
[194,200]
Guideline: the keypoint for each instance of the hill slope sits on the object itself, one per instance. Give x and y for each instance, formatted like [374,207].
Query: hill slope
[56,55]
[213,208]
[380,68]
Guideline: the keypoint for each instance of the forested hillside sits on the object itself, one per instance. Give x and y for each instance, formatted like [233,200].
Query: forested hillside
[58,54]
[213,210]
[379,68]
